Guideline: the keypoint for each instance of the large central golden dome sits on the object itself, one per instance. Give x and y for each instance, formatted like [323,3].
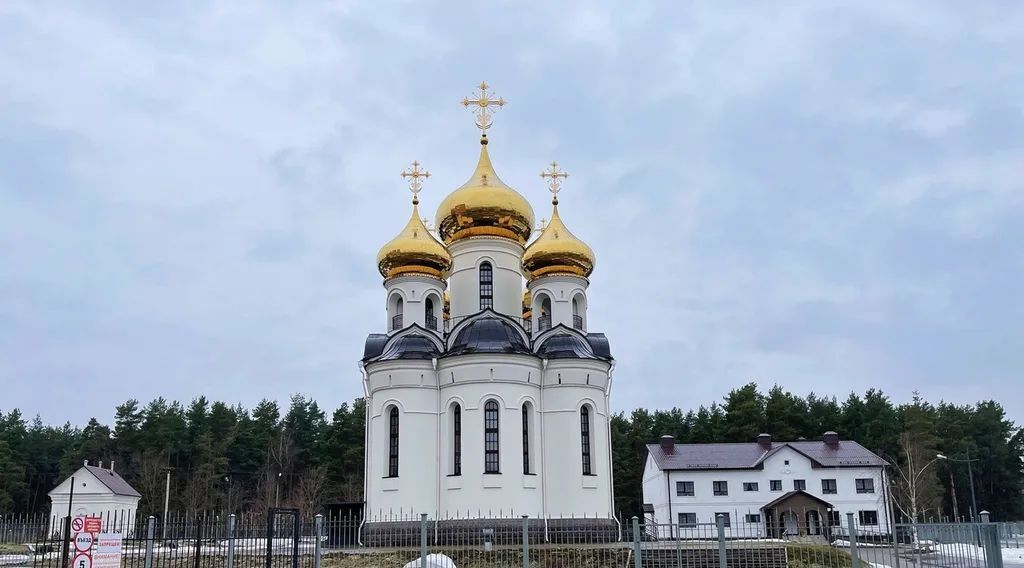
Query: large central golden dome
[484,206]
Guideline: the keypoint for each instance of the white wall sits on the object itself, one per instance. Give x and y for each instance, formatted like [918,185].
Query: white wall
[92,498]
[561,290]
[557,487]
[740,503]
[414,291]
[505,257]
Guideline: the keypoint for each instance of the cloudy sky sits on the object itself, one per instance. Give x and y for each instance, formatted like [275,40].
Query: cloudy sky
[829,196]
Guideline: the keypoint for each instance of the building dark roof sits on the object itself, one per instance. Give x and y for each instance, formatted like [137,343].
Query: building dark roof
[789,495]
[488,334]
[599,343]
[411,346]
[565,345]
[113,481]
[750,455]
[374,345]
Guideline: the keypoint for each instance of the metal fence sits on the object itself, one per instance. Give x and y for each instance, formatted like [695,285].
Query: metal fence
[289,541]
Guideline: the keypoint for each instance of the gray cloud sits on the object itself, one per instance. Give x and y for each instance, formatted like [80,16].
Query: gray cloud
[826,196]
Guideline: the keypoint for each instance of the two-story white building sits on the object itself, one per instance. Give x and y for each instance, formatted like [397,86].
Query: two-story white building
[764,487]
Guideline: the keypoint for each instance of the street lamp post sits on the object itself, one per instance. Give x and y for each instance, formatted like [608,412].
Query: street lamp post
[167,500]
[277,491]
[970,477]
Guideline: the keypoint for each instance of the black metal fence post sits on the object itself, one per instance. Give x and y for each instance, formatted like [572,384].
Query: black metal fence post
[199,542]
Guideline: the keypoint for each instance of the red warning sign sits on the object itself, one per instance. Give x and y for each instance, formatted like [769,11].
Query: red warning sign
[92,524]
[77,524]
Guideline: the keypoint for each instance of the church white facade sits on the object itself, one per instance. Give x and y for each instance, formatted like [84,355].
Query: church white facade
[488,395]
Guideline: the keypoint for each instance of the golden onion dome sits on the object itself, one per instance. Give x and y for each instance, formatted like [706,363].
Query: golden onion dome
[558,251]
[414,251]
[484,206]
[527,304]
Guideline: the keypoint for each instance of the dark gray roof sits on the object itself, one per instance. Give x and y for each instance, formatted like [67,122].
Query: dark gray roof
[113,481]
[411,346]
[374,345]
[750,455]
[565,345]
[488,334]
[599,343]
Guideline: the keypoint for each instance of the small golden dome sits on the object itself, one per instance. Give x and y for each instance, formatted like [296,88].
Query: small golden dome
[558,251]
[414,251]
[484,205]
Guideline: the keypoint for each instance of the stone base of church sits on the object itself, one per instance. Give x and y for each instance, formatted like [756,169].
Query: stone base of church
[499,532]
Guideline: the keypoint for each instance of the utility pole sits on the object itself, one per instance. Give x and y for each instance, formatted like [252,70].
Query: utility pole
[970,477]
[167,501]
[952,490]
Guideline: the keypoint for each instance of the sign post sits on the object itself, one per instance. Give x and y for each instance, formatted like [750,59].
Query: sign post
[83,536]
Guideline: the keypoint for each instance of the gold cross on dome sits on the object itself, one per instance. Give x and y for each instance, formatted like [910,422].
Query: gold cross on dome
[555,177]
[426,223]
[415,176]
[481,105]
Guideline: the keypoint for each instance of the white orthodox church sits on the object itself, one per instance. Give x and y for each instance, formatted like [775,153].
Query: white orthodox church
[488,395]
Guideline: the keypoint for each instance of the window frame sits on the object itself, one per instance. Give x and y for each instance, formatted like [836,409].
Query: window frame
[681,489]
[585,440]
[485,280]
[864,485]
[686,525]
[799,485]
[862,520]
[752,518]
[750,487]
[457,439]
[829,487]
[492,437]
[720,492]
[393,441]
[526,439]
[728,518]
[775,485]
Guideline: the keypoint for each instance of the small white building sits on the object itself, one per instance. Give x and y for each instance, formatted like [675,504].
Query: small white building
[764,487]
[99,492]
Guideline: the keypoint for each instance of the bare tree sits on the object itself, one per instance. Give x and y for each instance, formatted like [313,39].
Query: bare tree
[915,489]
[311,490]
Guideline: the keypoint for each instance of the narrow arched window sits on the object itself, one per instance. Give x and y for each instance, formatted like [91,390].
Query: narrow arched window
[396,320]
[492,458]
[577,317]
[585,438]
[393,442]
[457,440]
[431,319]
[526,439]
[486,286]
[545,314]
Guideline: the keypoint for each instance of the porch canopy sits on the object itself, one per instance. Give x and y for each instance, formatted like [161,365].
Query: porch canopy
[797,512]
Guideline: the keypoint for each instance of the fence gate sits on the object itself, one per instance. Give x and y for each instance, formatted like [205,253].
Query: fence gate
[284,528]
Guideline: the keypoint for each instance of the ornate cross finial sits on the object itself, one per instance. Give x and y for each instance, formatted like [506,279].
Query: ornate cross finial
[481,105]
[554,177]
[426,223]
[415,176]
[543,224]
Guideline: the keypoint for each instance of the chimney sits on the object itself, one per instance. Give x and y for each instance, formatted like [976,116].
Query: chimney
[101,464]
[831,439]
[765,441]
[111,465]
[85,462]
[668,444]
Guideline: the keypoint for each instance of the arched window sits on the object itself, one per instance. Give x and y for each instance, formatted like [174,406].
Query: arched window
[492,458]
[585,438]
[393,442]
[526,439]
[544,322]
[457,440]
[486,286]
[577,315]
[396,320]
[431,319]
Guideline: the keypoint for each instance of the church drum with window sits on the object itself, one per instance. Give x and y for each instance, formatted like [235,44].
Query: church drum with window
[499,408]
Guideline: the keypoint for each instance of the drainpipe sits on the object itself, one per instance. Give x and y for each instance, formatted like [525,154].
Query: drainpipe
[543,469]
[608,431]
[367,410]
[437,507]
